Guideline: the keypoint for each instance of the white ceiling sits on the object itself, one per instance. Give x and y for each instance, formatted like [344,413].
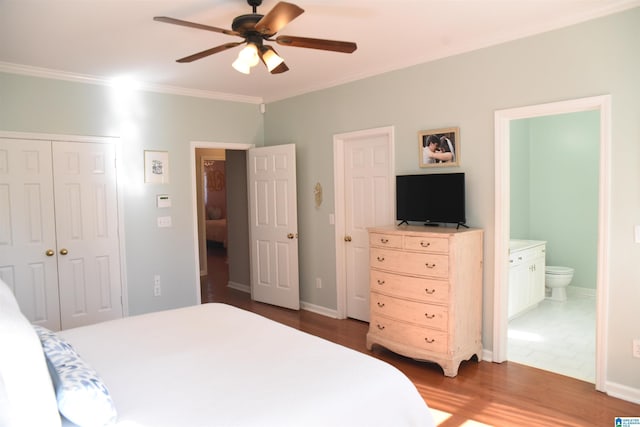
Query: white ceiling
[99,40]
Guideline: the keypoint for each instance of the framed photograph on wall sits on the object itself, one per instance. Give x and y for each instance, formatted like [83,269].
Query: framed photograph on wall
[439,147]
[156,167]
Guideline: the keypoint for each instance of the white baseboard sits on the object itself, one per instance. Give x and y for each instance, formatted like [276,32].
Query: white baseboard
[319,309]
[487,355]
[623,392]
[303,305]
[577,290]
[239,287]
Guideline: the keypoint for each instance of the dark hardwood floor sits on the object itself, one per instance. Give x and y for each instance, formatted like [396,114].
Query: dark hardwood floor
[483,393]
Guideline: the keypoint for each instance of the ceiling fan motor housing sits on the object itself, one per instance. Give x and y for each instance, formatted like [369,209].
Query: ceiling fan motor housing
[244,24]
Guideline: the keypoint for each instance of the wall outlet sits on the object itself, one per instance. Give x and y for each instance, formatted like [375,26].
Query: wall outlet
[164,221]
[157,290]
[318,283]
[636,348]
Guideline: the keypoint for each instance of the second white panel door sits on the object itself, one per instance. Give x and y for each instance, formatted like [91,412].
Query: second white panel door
[368,189]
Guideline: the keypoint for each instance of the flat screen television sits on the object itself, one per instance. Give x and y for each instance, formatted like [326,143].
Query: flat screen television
[433,199]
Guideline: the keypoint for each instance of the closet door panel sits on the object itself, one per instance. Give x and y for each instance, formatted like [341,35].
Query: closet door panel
[27,229]
[87,232]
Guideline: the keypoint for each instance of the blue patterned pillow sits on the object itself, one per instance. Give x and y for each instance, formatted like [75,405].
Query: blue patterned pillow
[82,396]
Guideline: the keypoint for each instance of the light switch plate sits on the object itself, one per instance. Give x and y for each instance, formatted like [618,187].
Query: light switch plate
[163,201]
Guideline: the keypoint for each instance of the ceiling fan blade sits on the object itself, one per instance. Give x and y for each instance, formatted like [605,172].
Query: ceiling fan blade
[281,14]
[208,52]
[322,44]
[194,25]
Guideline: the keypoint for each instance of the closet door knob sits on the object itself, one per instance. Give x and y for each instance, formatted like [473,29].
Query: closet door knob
[347,238]
[49,252]
[63,251]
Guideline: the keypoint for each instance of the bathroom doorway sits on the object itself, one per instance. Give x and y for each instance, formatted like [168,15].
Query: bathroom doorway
[504,120]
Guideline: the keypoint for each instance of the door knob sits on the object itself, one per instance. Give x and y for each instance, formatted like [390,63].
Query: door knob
[49,252]
[290,236]
[63,251]
[347,238]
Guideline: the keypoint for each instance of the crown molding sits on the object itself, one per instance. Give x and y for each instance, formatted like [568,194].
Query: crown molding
[47,73]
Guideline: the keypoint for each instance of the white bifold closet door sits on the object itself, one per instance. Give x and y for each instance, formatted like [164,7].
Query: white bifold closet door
[59,244]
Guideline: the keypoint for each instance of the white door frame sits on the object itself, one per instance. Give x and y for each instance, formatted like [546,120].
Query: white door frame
[339,205]
[119,188]
[194,197]
[503,119]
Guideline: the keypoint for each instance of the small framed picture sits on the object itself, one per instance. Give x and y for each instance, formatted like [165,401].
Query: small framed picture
[439,147]
[156,167]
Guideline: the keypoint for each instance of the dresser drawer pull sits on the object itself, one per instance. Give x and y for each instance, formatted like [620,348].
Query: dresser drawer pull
[429,291]
[430,340]
[381,258]
[429,316]
[425,244]
[380,282]
[430,265]
[380,327]
[380,304]
[383,240]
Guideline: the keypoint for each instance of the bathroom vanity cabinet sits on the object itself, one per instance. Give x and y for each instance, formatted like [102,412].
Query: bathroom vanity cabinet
[426,293]
[526,275]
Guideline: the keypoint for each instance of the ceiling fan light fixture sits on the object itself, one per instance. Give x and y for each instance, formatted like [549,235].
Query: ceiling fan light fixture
[249,55]
[271,58]
[241,66]
[247,58]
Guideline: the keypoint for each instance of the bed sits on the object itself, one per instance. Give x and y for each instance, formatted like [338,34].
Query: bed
[216,230]
[206,365]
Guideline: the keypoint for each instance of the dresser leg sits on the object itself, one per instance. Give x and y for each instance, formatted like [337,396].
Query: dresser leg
[450,368]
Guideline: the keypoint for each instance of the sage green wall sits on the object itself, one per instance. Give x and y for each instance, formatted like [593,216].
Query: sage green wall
[143,121]
[555,170]
[519,173]
[594,58]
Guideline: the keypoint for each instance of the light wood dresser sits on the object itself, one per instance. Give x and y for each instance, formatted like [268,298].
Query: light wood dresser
[426,293]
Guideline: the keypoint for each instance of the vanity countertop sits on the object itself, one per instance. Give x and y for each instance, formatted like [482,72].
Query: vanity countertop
[516,245]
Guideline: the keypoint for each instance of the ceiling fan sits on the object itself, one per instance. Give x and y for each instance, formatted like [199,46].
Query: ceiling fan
[255,29]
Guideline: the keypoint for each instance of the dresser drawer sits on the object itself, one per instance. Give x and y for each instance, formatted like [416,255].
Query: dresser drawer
[385,240]
[432,316]
[417,288]
[426,244]
[423,264]
[421,338]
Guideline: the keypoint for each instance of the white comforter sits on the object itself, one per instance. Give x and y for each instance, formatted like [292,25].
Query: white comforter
[216,365]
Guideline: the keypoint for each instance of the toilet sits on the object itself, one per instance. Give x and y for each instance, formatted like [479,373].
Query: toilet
[557,278]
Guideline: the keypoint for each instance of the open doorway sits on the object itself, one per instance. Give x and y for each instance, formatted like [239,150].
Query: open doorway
[223,249]
[503,122]
[212,207]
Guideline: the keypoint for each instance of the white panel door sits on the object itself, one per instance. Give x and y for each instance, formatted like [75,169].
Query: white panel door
[87,233]
[27,229]
[273,225]
[367,194]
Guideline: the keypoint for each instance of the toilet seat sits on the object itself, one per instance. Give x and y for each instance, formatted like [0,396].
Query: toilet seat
[555,269]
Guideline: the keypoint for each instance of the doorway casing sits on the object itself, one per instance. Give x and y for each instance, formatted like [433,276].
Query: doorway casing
[503,119]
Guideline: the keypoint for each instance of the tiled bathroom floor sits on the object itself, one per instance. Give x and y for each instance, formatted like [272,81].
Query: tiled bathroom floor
[557,337]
